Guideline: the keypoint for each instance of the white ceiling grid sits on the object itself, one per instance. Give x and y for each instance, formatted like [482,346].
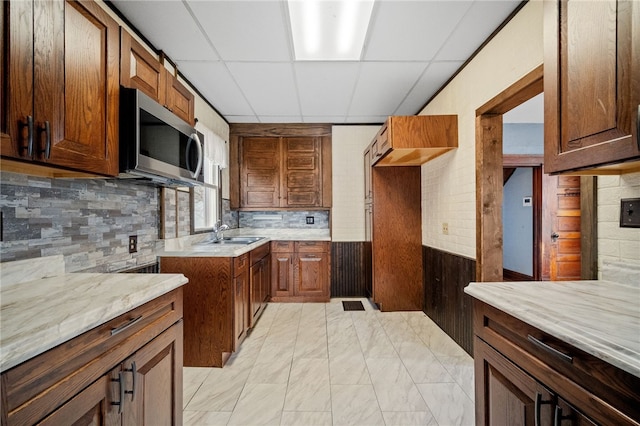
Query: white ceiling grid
[239,56]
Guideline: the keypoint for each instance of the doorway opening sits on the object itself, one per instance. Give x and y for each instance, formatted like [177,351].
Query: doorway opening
[565,224]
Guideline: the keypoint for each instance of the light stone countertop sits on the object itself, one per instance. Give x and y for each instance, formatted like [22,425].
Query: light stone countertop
[39,314]
[601,318]
[195,245]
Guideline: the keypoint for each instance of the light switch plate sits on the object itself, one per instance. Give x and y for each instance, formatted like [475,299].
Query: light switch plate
[630,213]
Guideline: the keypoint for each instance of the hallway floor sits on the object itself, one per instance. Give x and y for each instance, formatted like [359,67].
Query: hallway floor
[315,364]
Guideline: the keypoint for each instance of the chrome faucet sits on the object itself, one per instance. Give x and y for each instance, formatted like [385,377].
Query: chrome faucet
[218,229]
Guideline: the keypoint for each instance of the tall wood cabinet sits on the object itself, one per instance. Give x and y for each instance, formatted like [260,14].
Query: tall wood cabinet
[275,167]
[592,85]
[393,206]
[62,67]
[300,271]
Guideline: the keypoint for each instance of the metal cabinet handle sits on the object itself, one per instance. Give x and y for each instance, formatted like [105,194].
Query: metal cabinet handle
[120,381]
[558,418]
[555,236]
[133,370]
[126,325]
[28,123]
[539,402]
[552,351]
[46,128]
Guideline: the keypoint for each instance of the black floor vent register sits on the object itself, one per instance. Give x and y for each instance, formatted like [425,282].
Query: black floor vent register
[352,305]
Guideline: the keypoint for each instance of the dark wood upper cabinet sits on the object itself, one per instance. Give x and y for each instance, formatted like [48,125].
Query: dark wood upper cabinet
[139,69]
[591,86]
[280,166]
[62,79]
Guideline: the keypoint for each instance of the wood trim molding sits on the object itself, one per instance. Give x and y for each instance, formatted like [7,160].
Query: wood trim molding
[489,163]
[277,130]
[517,160]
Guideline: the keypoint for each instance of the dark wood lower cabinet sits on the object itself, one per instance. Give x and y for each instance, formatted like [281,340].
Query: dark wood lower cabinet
[300,271]
[521,382]
[131,377]
[259,283]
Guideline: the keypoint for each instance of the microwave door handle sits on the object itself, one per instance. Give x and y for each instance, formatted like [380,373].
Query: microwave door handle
[200,156]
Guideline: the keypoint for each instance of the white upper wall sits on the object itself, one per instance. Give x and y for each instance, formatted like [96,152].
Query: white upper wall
[347,150]
[448,182]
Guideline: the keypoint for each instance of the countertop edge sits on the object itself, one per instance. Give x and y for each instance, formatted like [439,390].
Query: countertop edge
[52,336]
[557,330]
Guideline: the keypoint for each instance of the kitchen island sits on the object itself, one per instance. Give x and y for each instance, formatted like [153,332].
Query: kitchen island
[72,345]
[557,350]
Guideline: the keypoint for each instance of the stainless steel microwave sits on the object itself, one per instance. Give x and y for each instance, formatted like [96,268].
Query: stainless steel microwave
[157,145]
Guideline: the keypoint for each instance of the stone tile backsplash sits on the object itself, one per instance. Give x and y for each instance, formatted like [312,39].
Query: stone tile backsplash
[284,219]
[86,220]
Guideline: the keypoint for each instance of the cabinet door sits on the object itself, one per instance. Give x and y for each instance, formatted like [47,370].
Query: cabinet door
[506,395]
[179,100]
[93,406]
[241,285]
[18,104]
[260,172]
[301,172]
[139,69]
[265,280]
[76,86]
[282,274]
[311,275]
[255,275]
[590,83]
[153,381]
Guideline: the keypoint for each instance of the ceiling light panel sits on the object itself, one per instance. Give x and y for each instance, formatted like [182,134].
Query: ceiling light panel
[329,30]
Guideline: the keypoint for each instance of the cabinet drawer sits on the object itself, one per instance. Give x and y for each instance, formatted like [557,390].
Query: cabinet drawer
[240,264]
[312,246]
[588,382]
[282,246]
[48,380]
[258,253]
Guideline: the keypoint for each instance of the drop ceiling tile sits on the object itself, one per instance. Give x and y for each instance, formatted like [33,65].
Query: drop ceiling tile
[324,119]
[412,30]
[269,88]
[382,86]
[476,26]
[325,88]
[245,30]
[215,83]
[168,25]
[431,81]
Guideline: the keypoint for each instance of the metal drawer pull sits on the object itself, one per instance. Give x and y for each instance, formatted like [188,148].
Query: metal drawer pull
[29,125]
[552,351]
[539,402]
[123,327]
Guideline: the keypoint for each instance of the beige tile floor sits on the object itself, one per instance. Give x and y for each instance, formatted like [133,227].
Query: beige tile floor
[314,364]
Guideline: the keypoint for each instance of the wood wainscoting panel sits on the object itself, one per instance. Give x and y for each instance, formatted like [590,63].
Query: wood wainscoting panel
[445,277]
[350,269]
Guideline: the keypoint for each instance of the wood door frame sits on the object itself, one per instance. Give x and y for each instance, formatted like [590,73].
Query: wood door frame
[489,163]
[489,231]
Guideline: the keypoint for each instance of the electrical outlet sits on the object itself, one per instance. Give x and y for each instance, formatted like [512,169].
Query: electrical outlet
[310,220]
[445,228]
[630,213]
[133,243]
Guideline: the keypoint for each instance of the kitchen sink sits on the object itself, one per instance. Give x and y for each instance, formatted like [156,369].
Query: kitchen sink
[235,240]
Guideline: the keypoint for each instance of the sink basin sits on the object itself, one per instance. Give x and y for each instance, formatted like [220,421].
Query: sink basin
[235,240]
